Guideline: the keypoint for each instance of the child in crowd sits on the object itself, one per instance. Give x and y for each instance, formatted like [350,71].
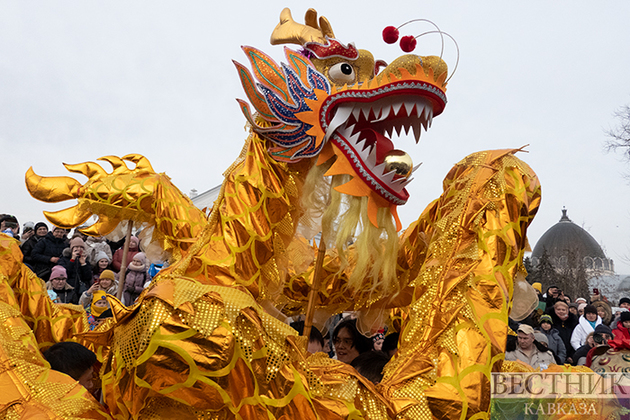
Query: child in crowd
[554,342]
[103,263]
[106,282]
[99,310]
[135,278]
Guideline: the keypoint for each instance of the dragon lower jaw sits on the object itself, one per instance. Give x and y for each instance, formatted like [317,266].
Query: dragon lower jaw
[361,130]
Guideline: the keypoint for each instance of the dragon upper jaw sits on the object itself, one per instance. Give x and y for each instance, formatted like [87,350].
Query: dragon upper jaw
[361,129]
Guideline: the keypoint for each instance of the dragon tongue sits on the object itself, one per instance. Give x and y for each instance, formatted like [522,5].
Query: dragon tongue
[383,144]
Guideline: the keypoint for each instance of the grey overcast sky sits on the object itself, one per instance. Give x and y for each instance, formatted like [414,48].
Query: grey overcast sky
[81,80]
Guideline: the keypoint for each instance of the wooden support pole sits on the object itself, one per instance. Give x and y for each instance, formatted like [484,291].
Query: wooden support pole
[123,264]
[310,309]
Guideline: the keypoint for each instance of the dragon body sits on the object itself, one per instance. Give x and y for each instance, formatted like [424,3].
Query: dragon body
[207,338]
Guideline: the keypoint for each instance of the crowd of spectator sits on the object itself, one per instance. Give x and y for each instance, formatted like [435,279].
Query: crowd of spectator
[563,331]
[78,269]
[83,270]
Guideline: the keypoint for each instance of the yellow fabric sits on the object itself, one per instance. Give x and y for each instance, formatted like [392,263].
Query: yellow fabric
[29,389]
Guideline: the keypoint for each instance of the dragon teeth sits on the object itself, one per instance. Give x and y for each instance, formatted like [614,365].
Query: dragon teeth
[340,118]
[371,159]
[389,177]
[417,131]
[409,106]
[366,112]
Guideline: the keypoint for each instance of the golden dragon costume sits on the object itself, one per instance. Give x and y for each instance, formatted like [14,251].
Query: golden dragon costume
[207,340]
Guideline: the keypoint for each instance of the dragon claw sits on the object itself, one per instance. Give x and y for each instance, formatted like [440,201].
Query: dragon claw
[104,192]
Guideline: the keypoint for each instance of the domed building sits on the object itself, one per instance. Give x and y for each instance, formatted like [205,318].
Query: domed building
[564,237]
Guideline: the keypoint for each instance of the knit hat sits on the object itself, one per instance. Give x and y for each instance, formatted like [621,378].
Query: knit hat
[625,316]
[603,329]
[141,257]
[581,299]
[590,309]
[541,338]
[107,274]
[77,242]
[546,318]
[27,227]
[525,329]
[58,272]
[96,311]
[624,300]
[582,306]
[40,224]
[537,286]
[100,255]
[135,240]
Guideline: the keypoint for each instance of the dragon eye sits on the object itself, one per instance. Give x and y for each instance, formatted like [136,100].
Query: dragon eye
[341,73]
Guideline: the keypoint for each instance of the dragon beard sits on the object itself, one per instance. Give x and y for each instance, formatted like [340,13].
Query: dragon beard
[367,254]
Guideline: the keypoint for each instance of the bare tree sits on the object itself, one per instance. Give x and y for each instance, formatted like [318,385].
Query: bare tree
[619,137]
[572,275]
[545,271]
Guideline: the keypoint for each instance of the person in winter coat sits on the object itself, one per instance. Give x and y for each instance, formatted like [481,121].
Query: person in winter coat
[77,266]
[99,309]
[587,324]
[604,311]
[555,343]
[41,230]
[58,283]
[47,251]
[107,282]
[579,357]
[564,322]
[103,263]
[528,352]
[98,245]
[135,278]
[133,250]
[623,327]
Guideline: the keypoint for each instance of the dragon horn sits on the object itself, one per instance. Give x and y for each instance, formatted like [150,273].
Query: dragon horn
[310,19]
[68,218]
[116,162]
[142,163]
[51,189]
[89,169]
[289,31]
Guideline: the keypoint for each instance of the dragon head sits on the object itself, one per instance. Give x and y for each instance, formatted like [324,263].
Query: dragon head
[331,102]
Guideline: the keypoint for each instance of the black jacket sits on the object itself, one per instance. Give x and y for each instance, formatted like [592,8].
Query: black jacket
[565,329]
[27,249]
[43,251]
[77,273]
[67,296]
